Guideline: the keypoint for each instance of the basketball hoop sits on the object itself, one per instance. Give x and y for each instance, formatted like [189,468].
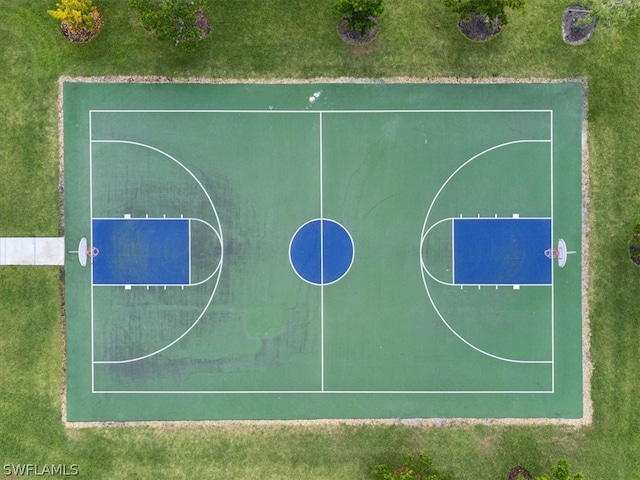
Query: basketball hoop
[92,252]
[552,253]
[559,253]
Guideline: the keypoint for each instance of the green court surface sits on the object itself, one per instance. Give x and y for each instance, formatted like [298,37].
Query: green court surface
[360,318]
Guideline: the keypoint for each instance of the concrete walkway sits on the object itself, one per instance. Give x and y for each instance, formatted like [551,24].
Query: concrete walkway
[31,251]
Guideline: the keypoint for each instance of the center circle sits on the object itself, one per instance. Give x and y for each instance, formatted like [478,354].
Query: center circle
[321,251]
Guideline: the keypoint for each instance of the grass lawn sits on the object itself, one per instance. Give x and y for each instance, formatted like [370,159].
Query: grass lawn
[272,39]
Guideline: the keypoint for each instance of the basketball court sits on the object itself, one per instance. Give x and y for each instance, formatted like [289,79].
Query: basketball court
[323,250]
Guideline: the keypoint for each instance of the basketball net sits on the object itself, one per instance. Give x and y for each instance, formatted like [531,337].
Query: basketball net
[92,252]
[552,253]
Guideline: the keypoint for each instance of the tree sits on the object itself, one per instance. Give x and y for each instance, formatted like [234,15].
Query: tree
[79,19]
[494,10]
[360,13]
[78,15]
[561,472]
[413,468]
[175,21]
[614,12]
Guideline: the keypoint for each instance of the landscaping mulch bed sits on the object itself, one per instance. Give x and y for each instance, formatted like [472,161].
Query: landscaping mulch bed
[634,245]
[519,473]
[479,28]
[353,36]
[84,35]
[575,29]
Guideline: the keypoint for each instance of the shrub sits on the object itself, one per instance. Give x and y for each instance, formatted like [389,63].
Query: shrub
[561,472]
[359,13]
[613,12]
[494,10]
[174,21]
[413,468]
[78,15]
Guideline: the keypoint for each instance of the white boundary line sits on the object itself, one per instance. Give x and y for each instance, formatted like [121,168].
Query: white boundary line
[553,288]
[515,219]
[91,243]
[330,392]
[315,112]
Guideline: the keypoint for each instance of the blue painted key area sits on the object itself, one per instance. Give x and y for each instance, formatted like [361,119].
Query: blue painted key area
[504,251]
[141,252]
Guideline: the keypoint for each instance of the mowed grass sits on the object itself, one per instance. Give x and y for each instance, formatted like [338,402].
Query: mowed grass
[274,39]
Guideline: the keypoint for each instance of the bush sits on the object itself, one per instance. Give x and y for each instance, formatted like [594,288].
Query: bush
[494,10]
[613,12]
[174,21]
[561,472]
[359,13]
[420,468]
[78,15]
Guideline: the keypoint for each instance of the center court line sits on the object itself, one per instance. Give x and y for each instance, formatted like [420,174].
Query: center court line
[321,258]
